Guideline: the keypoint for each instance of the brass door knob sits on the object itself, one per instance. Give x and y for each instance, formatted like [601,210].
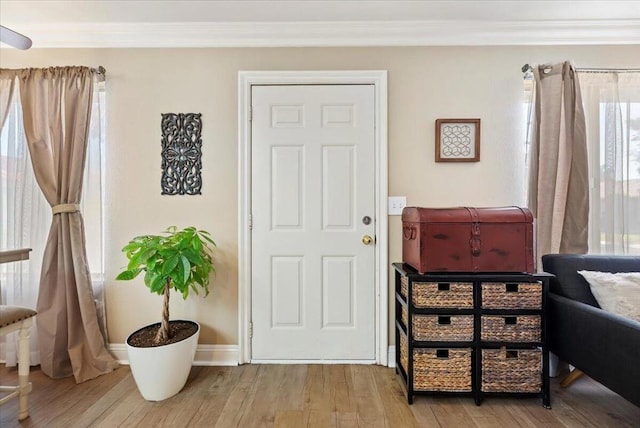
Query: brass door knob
[367,240]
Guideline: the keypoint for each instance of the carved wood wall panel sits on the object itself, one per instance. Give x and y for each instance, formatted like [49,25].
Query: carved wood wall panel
[181,153]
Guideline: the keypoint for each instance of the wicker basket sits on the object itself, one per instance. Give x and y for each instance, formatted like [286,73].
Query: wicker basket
[501,295]
[511,370]
[443,328]
[457,295]
[404,354]
[405,317]
[438,369]
[404,286]
[521,328]
[442,369]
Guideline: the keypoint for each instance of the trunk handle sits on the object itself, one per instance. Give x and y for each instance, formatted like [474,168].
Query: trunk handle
[409,233]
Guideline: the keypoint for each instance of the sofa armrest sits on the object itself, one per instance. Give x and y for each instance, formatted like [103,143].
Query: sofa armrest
[605,346]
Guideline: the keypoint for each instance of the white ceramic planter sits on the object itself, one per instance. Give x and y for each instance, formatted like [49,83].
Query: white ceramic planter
[161,372]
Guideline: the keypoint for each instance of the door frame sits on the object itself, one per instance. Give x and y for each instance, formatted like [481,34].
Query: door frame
[247,79]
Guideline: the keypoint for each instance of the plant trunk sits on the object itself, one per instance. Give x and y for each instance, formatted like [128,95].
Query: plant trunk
[163,331]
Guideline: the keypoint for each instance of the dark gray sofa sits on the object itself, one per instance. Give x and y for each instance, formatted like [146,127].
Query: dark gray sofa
[603,345]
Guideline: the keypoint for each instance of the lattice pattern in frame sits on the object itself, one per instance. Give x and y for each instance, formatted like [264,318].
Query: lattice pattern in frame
[457,140]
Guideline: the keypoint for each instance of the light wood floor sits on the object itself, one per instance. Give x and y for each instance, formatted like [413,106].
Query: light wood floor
[302,396]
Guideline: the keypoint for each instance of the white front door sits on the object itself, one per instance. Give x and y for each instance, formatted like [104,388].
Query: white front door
[313,190]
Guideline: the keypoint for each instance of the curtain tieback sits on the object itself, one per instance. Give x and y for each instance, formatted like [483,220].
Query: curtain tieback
[65,208]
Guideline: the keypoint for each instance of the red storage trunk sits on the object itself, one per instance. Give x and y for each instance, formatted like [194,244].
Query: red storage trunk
[468,239]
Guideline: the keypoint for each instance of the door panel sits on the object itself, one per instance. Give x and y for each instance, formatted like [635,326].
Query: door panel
[338,180]
[286,291]
[313,291]
[287,172]
[338,288]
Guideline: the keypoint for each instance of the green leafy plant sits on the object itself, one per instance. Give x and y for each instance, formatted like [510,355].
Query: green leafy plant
[179,259]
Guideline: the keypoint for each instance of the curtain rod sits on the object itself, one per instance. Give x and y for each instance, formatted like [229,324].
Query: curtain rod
[101,72]
[527,67]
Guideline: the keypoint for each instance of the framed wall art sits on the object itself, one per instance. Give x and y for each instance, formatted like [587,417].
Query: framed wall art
[457,140]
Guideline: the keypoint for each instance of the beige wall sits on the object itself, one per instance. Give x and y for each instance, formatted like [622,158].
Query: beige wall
[425,83]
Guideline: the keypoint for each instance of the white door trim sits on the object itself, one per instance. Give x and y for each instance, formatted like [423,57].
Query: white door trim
[246,79]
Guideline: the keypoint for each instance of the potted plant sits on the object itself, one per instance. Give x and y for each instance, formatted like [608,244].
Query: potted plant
[161,354]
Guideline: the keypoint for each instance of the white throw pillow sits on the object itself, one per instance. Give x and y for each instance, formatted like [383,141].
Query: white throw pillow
[616,292]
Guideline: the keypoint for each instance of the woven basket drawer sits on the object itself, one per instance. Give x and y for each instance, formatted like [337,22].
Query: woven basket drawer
[442,369]
[405,317]
[521,328]
[404,286]
[511,370]
[443,328]
[512,295]
[404,353]
[457,295]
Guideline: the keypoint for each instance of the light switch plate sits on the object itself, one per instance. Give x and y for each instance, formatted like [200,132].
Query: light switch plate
[396,204]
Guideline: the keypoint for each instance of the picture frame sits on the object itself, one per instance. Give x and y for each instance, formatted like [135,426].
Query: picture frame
[457,140]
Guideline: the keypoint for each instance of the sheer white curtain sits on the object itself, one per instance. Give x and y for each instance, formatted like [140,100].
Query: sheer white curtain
[612,110]
[25,215]
[24,218]
[91,204]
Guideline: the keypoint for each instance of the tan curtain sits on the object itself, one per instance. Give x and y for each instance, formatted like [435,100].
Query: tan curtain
[558,168]
[56,105]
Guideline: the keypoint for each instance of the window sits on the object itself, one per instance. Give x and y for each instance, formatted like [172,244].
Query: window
[612,112]
[527,116]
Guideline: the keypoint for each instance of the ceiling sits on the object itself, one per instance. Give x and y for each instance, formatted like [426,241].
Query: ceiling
[116,23]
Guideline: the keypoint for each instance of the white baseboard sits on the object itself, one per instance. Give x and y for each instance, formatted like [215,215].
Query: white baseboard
[206,355]
[119,352]
[216,355]
[327,362]
[392,356]
[220,355]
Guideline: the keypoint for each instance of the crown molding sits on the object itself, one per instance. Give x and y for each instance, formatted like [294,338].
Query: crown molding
[352,33]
